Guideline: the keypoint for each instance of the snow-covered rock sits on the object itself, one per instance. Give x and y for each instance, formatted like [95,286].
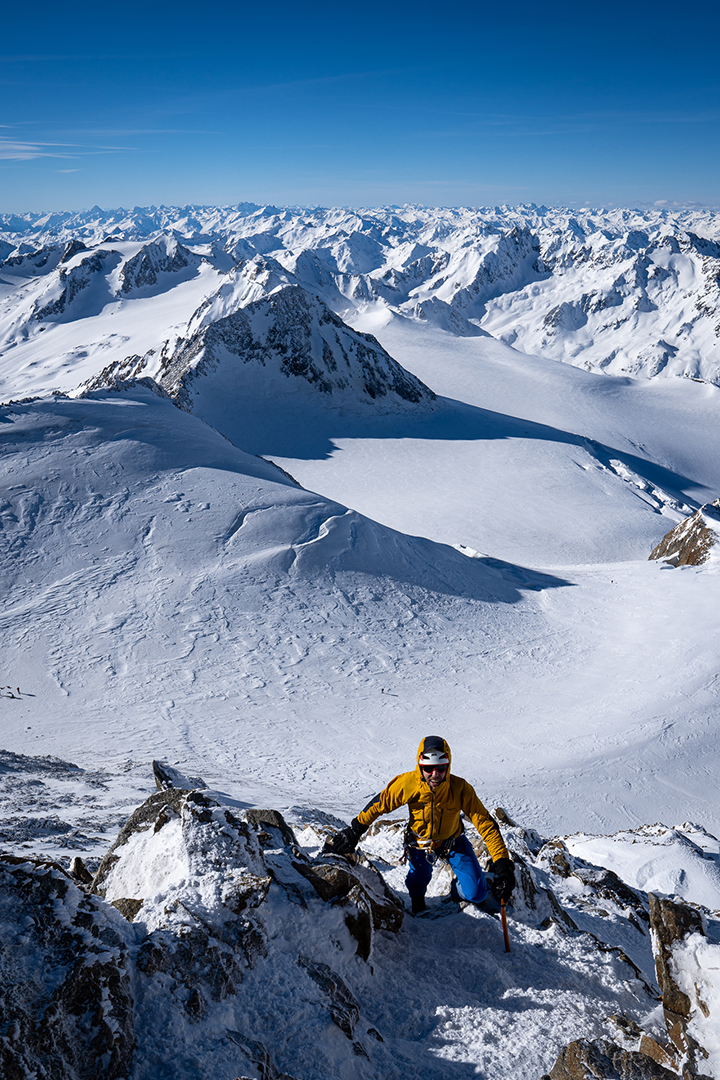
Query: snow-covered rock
[83,283]
[161,260]
[66,996]
[688,972]
[221,935]
[691,542]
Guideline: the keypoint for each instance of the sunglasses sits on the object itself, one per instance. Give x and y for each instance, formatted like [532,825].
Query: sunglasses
[434,768]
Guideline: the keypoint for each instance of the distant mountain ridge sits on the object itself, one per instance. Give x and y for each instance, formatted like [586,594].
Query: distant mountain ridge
[625,292]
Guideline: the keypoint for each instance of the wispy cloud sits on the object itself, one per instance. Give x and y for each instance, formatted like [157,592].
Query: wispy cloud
[19,150]
[120,133]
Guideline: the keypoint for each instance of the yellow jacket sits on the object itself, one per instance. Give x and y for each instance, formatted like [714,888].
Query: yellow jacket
[435,815]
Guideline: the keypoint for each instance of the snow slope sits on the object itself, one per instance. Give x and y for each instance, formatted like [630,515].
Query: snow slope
[520,457]
[171,596]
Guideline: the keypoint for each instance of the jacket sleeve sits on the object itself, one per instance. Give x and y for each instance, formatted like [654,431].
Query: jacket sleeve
[484,824]
[390,798]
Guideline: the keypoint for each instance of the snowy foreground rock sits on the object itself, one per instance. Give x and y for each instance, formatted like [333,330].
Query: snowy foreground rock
[217,941]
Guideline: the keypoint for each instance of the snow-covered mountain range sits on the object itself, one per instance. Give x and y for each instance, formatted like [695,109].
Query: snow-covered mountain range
[625,292]
[452,536]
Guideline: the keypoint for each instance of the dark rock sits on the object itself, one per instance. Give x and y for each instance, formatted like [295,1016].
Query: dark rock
[660,1052]
[301,338]
[127,907]
[160,257]
[197,960]
[606,883]
[272,819]
[558,858]
[65,992]
[670,924]
[344,1008]
[504,818]
[196,1006]
[80,872]
[330,881]
[167,777]
[256,1052]
[72,248]
[362,889]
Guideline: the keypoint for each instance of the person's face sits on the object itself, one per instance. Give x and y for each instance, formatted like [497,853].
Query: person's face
[434,775]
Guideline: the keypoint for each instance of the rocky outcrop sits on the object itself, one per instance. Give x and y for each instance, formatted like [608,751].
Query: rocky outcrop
[690,543]
[686,965]
[163,256]
[217,929]
[605,1060]
[173,923]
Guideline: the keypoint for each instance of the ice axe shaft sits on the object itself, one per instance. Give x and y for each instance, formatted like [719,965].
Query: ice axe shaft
[503,916]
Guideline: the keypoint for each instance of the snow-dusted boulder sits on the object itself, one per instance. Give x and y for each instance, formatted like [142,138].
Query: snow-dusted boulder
[181,852]
[691,542]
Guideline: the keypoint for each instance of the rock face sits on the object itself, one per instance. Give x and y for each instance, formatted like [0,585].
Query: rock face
[690,543]
[605,1060]
[171,926]
[686,963]
[164,256]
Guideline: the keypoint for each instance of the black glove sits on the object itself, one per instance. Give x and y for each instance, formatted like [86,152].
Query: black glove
[344,842]
[503,882]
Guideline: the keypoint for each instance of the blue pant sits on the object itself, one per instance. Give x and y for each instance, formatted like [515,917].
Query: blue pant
[471,883]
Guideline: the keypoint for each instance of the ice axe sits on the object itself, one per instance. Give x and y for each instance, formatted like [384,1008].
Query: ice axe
[503,916]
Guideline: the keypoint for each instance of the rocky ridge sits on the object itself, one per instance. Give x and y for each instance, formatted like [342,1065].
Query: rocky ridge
[222,936]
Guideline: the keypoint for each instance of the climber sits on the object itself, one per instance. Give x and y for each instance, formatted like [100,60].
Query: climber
[436,799]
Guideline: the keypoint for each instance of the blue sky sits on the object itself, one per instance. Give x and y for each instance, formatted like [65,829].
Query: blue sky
[442,104]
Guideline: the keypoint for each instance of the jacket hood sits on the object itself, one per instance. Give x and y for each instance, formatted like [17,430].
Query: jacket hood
[432,742]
